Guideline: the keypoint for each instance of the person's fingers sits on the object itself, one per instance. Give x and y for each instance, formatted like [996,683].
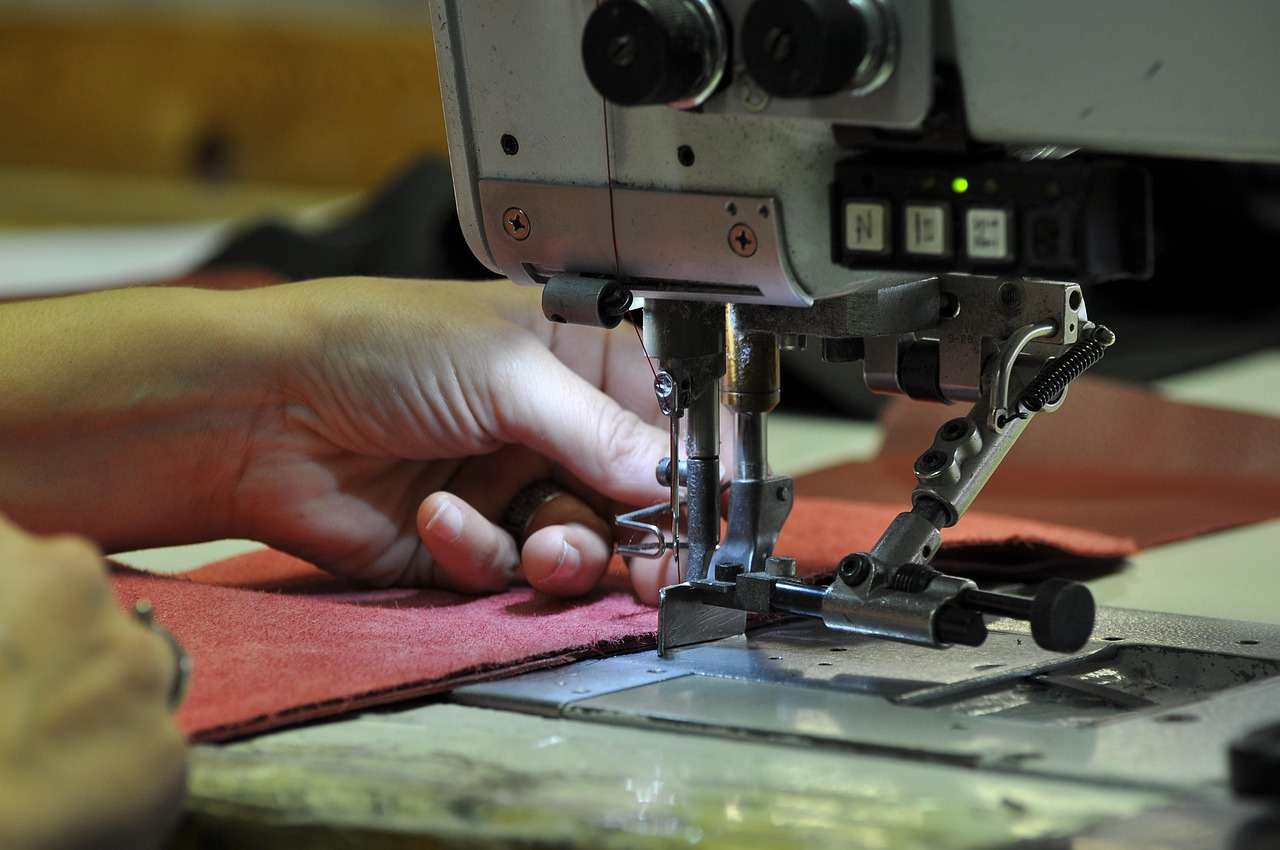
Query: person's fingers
[489,483]
[567,546]
[471,553]
[650,575]
[566,550]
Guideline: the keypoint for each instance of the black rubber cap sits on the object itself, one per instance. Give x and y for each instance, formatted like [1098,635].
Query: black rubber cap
[1062,615]
[644,51]
[803,48]
[954,624]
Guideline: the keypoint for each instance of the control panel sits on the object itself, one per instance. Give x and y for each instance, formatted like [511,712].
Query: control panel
[1087,221]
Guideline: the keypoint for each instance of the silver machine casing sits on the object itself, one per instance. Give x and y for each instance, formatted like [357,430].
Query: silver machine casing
[1174,78]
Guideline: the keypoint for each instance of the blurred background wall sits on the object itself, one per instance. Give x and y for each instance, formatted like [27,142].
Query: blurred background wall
[313,96]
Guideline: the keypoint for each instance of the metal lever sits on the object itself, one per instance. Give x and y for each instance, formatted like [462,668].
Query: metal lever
[1061,613]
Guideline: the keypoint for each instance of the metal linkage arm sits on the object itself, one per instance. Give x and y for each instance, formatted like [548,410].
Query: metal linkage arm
[893,592]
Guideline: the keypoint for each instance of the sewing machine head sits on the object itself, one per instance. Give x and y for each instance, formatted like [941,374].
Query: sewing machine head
[916,186]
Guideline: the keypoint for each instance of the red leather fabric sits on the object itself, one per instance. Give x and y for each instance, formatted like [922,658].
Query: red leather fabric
[275,641]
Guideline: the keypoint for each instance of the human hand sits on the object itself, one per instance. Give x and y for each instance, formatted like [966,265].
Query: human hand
[407,416]
[90,756]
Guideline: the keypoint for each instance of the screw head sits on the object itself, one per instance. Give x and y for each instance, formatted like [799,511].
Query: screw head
[954,429]
[854,568]
[516,224]
[621,50]
[931,462]
[667,390]
[742,239]
[664,385]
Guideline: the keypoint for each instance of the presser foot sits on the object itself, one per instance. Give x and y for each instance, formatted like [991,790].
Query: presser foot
[939,611]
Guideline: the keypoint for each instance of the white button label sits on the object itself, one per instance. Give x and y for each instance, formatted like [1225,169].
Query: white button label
[926,229]
[987,234]
[865,224]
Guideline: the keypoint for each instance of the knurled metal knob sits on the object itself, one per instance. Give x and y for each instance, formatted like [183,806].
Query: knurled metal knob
[654,51]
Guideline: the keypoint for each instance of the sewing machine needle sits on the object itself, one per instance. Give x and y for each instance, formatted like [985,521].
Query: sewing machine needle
[675,492]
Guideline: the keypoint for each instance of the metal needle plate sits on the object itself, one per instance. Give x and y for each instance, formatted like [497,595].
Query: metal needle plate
[1153,702]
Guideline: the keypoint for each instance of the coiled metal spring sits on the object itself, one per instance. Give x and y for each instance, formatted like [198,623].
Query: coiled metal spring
[1049,384]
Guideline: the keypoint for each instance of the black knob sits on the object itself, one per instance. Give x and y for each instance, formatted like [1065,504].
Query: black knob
[954,624]
[804,48]
[1061,614]
[653,51]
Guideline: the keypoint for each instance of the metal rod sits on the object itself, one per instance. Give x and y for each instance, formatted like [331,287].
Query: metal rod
[752,430]
[801,599]
[702,460]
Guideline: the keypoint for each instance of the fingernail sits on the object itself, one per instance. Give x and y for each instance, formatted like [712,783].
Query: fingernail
[446,523]
[567,566]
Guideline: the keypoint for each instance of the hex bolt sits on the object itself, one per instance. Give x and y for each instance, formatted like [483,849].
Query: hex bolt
[516,223]
[953,429]
[931,462]
[854,568]
[742,239]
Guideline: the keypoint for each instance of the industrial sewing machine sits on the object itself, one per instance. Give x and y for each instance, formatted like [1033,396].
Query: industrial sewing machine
[920,188]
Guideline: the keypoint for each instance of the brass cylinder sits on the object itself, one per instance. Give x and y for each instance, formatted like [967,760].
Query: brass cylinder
[753,372]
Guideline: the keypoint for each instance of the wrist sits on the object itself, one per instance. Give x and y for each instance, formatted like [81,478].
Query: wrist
[128,420]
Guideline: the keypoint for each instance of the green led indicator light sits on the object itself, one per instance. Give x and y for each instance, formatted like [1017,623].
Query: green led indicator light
[959,185]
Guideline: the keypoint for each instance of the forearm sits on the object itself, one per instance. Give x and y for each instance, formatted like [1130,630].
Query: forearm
[123,413]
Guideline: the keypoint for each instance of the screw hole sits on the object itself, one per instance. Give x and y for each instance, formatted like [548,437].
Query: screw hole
[948,306]
[731,208]
[684,153]
[762,211]
[510,144]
